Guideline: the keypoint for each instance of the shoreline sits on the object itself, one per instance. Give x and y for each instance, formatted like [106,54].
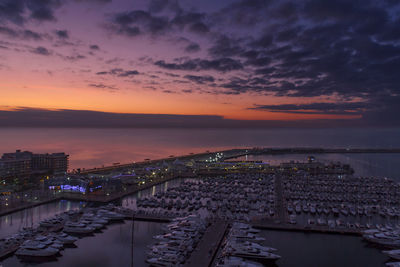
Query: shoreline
[87,198]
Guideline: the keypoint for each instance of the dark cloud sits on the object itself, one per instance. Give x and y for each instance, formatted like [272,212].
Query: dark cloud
[350,108]
[133,23]
[20,11]
[29,117]
[225,47]
[137,22]
[200,79]
[94,1]
[8,31]
[20,34]
[103,86]
[94,47]
[119,72]
[156,6]
[191,48]
[28,34]
[40,50]
[169,92]
[74,57]
[63,34]
[222,64]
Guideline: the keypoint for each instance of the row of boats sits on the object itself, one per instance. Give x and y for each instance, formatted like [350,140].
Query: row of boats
[174,247]
[386,237]
[242,247]
[231,197]
[351,203]
[53,234]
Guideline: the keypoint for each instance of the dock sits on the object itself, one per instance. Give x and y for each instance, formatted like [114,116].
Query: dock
[311,150]
[307,229]
[207,247]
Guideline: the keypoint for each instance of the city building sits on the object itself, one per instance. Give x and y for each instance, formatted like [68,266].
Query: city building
[22,166]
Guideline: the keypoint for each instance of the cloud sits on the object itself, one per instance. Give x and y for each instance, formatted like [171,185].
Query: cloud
[30,117]
[200,79]
[40,50]
[94,47]
[20,34]
[119,72]
[103,86]
[21,11]
[63,34]
[191,48]
[140,22]
[222,64]
[94,1]
[350,108]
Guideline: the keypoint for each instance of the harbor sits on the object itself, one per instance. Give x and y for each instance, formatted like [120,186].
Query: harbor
[270,198]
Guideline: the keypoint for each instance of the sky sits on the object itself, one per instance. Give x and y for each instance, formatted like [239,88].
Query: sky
[208,61]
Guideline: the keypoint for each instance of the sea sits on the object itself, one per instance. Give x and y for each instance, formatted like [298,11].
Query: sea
[115,246]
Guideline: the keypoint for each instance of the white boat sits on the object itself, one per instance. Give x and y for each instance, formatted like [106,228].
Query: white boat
[238,262]
[36,249]
[253,254]
[65,239]
[77,228]
[394,254]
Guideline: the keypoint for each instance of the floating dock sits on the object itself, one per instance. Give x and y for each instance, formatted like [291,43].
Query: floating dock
[207,247]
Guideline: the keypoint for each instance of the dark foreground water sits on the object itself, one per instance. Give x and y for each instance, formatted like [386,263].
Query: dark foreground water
[322,250]
[111,248]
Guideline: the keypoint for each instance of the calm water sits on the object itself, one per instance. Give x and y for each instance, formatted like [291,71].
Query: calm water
[14,222]
[113,247]
[95,147]
[317,250]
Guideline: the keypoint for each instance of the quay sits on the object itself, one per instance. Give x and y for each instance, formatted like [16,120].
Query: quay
[236,153]
[101,199]
[208,246]
[305,229]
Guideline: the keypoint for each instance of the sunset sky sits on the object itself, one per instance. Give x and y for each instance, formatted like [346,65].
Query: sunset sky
[241,60]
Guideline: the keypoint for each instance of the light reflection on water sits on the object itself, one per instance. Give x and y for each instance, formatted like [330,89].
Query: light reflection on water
[97,147]
[113,247]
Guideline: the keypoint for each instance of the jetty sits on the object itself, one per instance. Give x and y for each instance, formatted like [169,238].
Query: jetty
[207,248]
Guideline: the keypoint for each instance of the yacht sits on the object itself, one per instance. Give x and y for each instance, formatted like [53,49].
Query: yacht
[36,249]
[394,254]
[77,228]
[238,262]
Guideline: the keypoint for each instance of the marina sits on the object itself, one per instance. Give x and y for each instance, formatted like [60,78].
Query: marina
[290,198]
[262,200]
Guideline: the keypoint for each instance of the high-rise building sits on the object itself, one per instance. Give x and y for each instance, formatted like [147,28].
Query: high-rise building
[24,165]
[16,165]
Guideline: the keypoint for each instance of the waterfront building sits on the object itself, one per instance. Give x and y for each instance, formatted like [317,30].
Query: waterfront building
[16,166]
[20,166]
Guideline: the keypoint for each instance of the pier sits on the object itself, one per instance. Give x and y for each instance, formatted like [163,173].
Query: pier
[207,248]
[306,229]
[281,151]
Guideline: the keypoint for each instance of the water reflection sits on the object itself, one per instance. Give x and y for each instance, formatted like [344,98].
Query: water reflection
[306,249]
[111,248]
[97,147]
[12,223]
